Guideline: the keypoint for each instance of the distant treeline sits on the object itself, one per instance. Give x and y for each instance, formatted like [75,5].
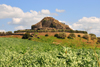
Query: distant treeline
[59,30]
[6,33]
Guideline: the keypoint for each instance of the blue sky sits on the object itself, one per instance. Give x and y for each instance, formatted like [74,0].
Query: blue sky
[78,14]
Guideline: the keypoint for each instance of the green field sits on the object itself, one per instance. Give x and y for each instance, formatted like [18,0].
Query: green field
[16,52]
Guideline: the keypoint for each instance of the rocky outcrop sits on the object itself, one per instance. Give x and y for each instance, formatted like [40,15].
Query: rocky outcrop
[49,23]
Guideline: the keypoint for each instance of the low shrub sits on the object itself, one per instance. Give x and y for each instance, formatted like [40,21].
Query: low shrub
[61,35]
[9,33]
[85,32]
[93,37]
[85,36]
[38,37]
[26,36]
[31,35]
[30,38]
[53,30]
[98,40]
[56,35]
[72,35]
[91,34]
[76,31]
[79,35]
[2,33]
[46,35]
[71,31]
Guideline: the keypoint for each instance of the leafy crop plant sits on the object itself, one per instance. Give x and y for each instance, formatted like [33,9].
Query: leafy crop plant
[26,53]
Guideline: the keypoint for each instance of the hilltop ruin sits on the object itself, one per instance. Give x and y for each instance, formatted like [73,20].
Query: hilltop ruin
[49,23]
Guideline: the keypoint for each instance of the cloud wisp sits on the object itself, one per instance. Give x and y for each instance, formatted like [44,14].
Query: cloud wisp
[19,28]
[60,11]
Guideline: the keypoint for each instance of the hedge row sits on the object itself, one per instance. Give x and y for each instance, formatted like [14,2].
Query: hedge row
[6,33]
[59,30]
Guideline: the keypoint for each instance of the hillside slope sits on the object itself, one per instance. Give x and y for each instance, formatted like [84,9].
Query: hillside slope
[49,23]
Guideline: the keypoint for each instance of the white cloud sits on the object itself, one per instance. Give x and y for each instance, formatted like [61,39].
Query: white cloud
[2,31]
[57,10]
[91,24]
[19,28]
[90,20]
[7,11]
[54,14]
[45,11]
[64,22]
[15,20]
[25,19]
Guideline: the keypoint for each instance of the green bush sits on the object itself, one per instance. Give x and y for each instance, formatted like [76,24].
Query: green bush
[79,35]
[85,32]
[46,35]
[26,36]
[76,31]
[93,37]
[2,33]
[98,40]
[9,33]
[85,36]
[61,30]
[72,35]
[30,38]
[91,34]
[56,35]
[71,31]
[53,30]
[61,35]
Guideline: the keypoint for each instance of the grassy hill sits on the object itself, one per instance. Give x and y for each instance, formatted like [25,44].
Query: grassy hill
[77,42]
[45,52]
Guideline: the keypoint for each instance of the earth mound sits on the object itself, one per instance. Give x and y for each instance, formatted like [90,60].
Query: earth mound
[49,23]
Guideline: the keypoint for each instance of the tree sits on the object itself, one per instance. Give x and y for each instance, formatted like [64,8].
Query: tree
[26,36]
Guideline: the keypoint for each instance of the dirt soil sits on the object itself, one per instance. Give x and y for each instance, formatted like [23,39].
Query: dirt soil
[53,33]
[13,36]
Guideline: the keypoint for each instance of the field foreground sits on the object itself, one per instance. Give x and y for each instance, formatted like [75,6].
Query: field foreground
[25,53]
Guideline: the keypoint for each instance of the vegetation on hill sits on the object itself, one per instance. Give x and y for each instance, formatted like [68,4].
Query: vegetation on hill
[61,35]
[6,33]
[58,30]
[72,35]
[26,36]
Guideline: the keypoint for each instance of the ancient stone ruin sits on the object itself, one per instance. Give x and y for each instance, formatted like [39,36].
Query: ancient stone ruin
[49,23]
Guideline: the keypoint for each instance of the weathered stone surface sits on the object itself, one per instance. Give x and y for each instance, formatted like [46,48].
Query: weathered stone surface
[49,23]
